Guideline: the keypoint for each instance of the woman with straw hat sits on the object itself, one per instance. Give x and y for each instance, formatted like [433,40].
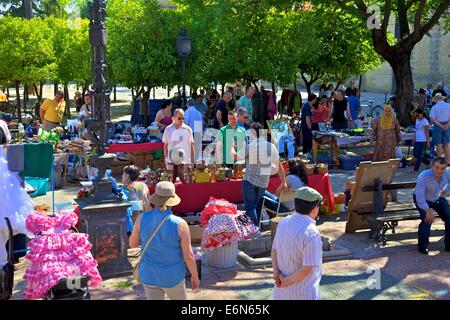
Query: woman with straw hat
[166,247]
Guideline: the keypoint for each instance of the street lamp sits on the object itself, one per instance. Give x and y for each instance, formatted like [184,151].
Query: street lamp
[184,48]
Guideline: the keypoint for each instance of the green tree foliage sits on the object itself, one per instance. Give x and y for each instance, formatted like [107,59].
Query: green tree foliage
[325,52]
[71,50]
[141,43]
[41,8]
[26,53]
[415,19]
[238,40]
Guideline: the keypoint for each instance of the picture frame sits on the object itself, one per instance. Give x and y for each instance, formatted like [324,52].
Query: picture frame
[323,126]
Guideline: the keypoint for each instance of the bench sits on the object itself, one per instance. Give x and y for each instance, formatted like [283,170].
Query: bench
[384,218]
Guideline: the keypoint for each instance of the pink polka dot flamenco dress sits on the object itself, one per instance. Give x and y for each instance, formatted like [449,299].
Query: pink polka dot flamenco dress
[56,253]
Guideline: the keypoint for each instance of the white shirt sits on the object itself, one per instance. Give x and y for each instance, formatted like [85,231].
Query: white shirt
[420,130]
[194,119]
[441,111]
[298,243]
[4,126]
[180,138]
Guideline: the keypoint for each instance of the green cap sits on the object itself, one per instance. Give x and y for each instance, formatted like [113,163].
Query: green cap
[308,194]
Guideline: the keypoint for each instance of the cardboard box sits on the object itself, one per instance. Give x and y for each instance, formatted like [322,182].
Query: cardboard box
[118,165]
[142,159]
[194,228]
[158,164]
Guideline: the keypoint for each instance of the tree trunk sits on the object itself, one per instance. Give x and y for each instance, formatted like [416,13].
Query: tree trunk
[274,93]
[25,97]
[143,110]
[19,112]
[67,99]
[255,85]
[55,87]
[115,93]
[401,66]
[168,92]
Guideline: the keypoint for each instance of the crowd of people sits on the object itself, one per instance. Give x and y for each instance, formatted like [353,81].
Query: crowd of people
[297,247]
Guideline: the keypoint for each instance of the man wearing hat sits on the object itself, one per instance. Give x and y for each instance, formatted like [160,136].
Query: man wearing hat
[297,250]
[440,117]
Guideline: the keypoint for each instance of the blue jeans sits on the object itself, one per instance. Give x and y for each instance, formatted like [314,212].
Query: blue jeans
[419,149]
[443,209]
[271,202]
[252,196]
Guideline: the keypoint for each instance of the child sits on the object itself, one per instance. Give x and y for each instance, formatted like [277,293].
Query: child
[422,137]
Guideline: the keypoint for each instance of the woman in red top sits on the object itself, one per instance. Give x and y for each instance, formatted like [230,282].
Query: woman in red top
[321,113]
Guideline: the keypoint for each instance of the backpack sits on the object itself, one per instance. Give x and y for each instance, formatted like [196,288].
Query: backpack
[7,271]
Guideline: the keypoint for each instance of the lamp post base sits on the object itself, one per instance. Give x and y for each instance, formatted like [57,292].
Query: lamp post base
[106,226]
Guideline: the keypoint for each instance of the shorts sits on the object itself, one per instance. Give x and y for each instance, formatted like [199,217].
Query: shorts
[439,136]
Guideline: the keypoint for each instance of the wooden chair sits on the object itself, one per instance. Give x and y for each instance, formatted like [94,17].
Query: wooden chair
[285,196]
[361,202]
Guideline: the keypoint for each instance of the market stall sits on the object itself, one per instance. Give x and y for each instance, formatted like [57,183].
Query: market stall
[333,142]
[194,196]
[135,147]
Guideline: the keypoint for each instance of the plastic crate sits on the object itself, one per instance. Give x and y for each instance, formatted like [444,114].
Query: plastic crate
[349,163]
[39,184]
[327,159]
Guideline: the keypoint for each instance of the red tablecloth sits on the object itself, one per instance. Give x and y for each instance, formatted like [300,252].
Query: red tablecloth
[195,196]
[135,147]
[319,182]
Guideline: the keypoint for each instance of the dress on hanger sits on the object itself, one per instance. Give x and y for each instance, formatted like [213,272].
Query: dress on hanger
[56,253]
[15,204]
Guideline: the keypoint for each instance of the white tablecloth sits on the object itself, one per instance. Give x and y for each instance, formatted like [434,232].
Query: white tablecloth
[357,139]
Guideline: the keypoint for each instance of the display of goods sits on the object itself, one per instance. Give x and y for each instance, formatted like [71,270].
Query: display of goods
[339,198]
[166,175]
[323,209]
[202,175]
[355,132]
[216,206]
[310,169]
[85,193]
[225,229]
[151,176]
[238,171]
[321,167]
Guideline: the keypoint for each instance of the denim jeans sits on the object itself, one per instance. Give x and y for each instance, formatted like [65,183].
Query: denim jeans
[443,209]
[252,196]
[419,149]
[271,202]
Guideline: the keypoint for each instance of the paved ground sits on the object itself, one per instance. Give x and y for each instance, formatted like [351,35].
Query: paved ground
[403,272]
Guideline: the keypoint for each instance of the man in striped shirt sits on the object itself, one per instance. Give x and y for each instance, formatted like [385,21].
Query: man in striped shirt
[297,250]
[430,194]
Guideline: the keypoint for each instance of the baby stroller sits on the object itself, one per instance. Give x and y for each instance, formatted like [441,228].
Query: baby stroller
[7,271]
[75,288]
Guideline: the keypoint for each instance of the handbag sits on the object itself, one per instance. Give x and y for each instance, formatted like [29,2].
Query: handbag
[7,271]
[136,267]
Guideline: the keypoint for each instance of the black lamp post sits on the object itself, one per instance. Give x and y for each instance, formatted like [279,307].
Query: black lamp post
[184,48]
[102,216]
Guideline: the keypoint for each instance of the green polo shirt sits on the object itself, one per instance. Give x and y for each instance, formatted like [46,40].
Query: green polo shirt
[231,139]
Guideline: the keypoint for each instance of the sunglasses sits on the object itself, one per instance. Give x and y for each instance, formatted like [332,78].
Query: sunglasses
[245,117]
[180,118]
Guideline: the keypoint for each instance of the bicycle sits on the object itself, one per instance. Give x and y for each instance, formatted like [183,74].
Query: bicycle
[374,111]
